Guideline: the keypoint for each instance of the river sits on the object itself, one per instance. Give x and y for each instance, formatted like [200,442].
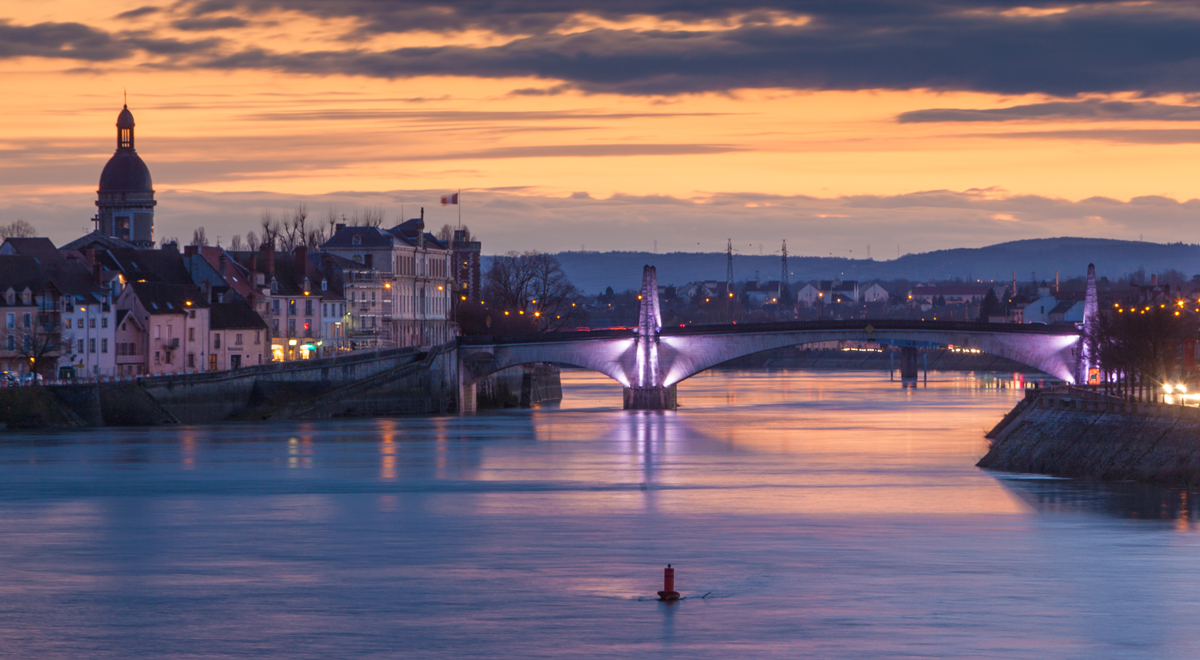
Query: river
[830,515]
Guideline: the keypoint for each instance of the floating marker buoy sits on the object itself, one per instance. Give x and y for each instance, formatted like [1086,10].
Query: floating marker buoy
[668,592]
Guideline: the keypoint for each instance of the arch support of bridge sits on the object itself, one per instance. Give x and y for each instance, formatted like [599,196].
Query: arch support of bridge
[647,390]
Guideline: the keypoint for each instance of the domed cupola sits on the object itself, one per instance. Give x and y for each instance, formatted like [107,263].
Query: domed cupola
[126,194]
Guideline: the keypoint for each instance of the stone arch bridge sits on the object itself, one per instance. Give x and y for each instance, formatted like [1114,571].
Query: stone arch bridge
[651,360]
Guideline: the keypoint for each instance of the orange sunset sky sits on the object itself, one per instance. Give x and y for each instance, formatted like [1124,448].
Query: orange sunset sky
[905,126]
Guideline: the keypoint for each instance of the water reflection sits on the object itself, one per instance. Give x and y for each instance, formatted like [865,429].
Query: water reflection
[1122,500]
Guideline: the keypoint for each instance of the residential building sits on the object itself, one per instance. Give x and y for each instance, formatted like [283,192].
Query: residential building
[238,336]
[874,293]
[130,345]
[420,273]
[31,306]
[763,293]
[808,295]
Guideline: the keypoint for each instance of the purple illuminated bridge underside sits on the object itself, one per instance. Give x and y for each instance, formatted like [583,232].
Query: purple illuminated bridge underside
[650,361]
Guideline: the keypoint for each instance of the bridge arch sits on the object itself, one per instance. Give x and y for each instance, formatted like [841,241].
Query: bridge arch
[684,356]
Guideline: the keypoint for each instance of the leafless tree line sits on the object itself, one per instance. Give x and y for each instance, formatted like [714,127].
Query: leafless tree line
[1140,349]
[534,286]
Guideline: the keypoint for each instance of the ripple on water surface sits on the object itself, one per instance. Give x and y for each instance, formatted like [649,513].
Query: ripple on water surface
[827,514]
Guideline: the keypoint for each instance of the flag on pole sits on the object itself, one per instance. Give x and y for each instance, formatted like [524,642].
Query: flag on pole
[449,199]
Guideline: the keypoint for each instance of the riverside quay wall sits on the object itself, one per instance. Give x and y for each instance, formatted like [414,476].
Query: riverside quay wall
[1083,435]
[379,383]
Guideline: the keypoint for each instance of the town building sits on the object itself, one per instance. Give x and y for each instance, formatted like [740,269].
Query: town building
[874,293]
[419,279]
[238,334]
[32,307]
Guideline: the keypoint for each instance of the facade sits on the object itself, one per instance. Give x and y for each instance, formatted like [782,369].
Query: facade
[962,294]
[176,322]
[466,266]
[125,199]
[808,295]
[31,308]
[418,278]
[875,293]
[238,336]
[130,339]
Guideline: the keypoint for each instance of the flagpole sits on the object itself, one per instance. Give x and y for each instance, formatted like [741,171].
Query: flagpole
[459,205]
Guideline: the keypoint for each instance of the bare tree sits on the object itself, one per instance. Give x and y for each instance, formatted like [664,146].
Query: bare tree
[272,227]
[235,243]
[38,338]
[199,237]
[17,229]
[447,232]
[251,241]
[534,286]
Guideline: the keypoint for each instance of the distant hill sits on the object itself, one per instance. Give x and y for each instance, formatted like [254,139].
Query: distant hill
[594,271]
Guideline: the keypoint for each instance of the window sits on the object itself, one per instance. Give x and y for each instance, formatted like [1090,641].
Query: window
[291,327]
[103,321]
[103,345]
[212,362]
[156,358]
[67,323]
[275,307]
[170,356]
[324,285]
[191,360]
[80,351]
[256,338]
[27,321]
[191,313]
[216,340]
[191,334]
[157,331]
[11,321]
[308,307]
[12,343]
[275,327]
[92,322]
[91,346]
[292,307]
[237,339]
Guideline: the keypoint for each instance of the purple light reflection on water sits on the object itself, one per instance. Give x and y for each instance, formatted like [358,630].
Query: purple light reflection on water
[833,515]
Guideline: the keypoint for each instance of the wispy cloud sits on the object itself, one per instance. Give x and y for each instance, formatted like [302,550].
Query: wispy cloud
[1088,110]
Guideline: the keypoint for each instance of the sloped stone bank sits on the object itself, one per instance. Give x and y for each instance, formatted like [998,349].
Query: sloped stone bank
[1092,438]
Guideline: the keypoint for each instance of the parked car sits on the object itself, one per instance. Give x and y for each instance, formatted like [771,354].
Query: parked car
[31,378]
[8,379]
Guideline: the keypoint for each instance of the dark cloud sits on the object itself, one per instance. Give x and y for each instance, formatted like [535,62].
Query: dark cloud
[1092,109]
[59,40]
[209,24]
[456,116]
[937,44]
[999,47]
[139,12]
[169,46]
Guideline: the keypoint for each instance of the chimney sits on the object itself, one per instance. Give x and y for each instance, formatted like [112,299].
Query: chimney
[338,227]
[268,258]
[97,274]
[301,254]
[89,253]
[421,229]
[190,250]
[253,262]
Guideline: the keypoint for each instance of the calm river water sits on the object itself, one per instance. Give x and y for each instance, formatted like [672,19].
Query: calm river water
[829,515]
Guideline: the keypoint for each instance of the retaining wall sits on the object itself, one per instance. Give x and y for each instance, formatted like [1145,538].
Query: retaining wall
[1085,437]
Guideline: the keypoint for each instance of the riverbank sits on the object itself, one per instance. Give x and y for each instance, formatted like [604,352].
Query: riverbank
[407,383]
[1083,435]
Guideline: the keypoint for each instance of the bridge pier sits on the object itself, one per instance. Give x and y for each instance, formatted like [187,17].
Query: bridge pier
[466,394]
[908,363]
[650,398]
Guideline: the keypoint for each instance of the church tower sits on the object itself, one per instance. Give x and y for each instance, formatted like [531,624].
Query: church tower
[126,196]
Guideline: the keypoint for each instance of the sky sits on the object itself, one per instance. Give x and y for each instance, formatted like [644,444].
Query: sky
[845,127]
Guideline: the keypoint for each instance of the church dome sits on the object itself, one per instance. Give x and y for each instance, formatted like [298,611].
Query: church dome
[125,172]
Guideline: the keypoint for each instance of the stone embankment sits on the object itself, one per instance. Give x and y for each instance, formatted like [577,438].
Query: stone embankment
[1084,435]
[383,383]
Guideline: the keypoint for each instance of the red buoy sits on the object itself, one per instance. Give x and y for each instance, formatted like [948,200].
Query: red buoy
[668,592]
